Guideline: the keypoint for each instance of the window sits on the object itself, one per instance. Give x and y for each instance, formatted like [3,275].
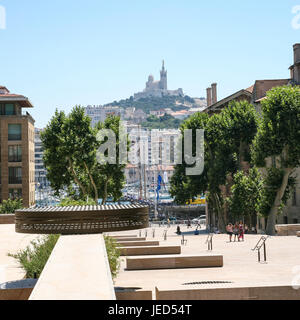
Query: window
[14,132]
[15,175]
[14,154]
[9,109]
[15,194]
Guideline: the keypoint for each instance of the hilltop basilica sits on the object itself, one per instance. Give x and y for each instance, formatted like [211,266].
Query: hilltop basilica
[158,88]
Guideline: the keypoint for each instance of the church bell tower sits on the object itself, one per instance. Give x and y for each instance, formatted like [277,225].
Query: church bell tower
[163,77]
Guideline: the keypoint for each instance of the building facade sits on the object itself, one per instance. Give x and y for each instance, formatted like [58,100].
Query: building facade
[40,170]
[17,148]
[255,95]
[100,113]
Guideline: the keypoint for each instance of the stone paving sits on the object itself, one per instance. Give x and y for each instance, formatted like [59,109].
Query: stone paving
[241,267]
[11,242]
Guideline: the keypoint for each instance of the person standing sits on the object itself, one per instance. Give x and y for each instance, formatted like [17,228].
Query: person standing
[229,229]
[241,231]
[236,231]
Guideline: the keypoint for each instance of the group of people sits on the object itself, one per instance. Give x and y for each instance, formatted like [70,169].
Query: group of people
[237,230]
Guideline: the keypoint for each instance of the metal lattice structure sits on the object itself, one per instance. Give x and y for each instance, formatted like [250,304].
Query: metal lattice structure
[81,219]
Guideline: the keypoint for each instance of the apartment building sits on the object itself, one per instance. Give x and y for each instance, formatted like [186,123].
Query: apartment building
[17,148]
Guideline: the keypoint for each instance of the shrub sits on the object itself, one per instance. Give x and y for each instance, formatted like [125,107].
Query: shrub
[113,253]
[69,202]
[35,256]
[10,206]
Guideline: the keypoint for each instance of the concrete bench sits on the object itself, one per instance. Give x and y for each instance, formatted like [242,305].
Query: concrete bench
[140,251]
[229,292]
[174,262]
[130,239]
[138,243]
[124,236]
[287,229]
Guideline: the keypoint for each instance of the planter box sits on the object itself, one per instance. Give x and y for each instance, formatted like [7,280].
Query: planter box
[7,219]
[287,229]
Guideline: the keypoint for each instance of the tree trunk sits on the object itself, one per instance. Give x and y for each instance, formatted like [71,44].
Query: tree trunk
[219,209]
[105,193]
[270,229]
[92,182]
[75,178]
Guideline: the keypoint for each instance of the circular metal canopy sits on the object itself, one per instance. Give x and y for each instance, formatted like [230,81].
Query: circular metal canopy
[81,219]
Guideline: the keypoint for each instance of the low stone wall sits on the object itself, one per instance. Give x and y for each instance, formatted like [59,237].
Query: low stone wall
[287,229]
[7,219]
[174,262]
[242,293]
[77,269]
[134,295]
[157,250]
[15,294]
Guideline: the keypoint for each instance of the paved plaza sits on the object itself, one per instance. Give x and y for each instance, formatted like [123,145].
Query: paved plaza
[241,267]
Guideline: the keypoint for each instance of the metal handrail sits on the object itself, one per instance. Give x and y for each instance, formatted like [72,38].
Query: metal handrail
[209,241]
[183,241]
[261,244]
[165,235]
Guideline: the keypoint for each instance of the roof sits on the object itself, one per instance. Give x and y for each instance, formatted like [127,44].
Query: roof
[6,96]
[261,87]
[220,104]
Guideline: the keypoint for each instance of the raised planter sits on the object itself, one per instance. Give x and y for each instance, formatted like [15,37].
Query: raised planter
[81,219]
[7,218]
[287,229]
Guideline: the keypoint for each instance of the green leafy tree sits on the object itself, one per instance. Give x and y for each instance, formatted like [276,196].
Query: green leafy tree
[112,175]
[245,194]
[228,136]
[278,140]
[165,122]
[70,156]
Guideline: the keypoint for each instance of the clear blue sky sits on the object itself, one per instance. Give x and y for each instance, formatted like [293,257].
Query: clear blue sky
[67,52]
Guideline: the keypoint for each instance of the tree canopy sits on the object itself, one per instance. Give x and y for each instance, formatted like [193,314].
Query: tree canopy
[227,145]
[276,148]
[70,148]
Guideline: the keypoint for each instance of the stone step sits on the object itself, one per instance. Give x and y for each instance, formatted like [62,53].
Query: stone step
[174,262]
[124,236]
[140,251]
[138,243]
[130,239]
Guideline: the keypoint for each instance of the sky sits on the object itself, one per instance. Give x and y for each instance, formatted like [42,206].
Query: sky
[62,53]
